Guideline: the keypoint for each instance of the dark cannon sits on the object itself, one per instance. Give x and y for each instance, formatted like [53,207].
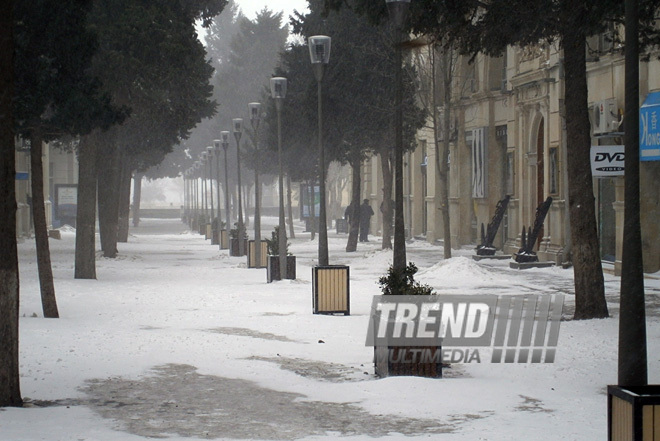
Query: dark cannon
[486,247]
[526,252]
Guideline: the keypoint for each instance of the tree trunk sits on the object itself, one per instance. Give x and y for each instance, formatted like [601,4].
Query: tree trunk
[312,209]
[124,202]
[108,188]
[388,206]
[85,266]
[588,272]
[443,157]
[354,218]
[633,358]
[137,195]
[48,302]
[292,235]
[10,390]
[246,204]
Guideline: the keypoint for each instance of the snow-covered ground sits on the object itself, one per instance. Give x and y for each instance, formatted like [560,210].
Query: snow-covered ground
[178,340]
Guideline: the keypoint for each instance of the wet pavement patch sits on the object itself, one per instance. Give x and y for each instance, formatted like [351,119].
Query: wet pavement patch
[246,332]
[176,400]
[530,404]
[318,370]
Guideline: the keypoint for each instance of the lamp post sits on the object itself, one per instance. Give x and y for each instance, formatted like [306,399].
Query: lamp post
[319,53]
[209,156]
[198,205]
[255,119]
[205,199]
[278,92]
[216,153]
[186,214]
[224,136]
[238,131]
[398,10]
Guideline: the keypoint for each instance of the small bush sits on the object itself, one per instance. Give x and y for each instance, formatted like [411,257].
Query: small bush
[403,283]
[233,233]
[273,243]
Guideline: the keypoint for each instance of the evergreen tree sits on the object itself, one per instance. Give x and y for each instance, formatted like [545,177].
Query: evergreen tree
[150,60]
[56,96]
[358,95]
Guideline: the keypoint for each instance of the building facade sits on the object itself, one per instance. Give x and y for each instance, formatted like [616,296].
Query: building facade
[60,170]
[508,137]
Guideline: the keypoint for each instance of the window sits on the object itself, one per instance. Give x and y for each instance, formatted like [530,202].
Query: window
[554,170]
[479,163]
[495,70]
[510,173]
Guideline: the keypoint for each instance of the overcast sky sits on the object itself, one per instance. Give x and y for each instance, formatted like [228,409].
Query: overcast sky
[251,7]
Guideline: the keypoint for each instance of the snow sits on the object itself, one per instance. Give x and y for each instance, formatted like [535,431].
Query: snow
[178,340]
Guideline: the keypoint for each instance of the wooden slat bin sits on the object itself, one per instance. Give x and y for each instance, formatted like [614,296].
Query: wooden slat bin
[251,256]
[273,268]
[415,361]
[331,287]
[234,247]
[224,239]
[633,413]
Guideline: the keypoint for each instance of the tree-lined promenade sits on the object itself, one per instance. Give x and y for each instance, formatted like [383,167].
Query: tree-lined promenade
[130,87]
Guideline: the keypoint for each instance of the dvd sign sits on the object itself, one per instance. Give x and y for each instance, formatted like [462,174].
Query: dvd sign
[607,160]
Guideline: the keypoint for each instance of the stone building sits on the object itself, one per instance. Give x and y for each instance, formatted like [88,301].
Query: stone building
[508,138]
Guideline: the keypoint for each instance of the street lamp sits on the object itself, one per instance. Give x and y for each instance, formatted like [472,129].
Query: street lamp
[198,202]
[205,198]
[398,10]
[224,136]
[319,53]
[216,153]
[209,155]
[278,92]
[255,119]
[237,124]
[186,214]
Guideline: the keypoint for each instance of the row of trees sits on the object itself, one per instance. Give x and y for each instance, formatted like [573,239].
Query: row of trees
[358,102]
[244,53]
[127,78]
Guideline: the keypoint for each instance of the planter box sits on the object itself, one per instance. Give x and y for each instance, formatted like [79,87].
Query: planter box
[633,413]
[273,268]
[341,225]
[416,361]
[234,248]
[251,254]
[224,240]
[331,289]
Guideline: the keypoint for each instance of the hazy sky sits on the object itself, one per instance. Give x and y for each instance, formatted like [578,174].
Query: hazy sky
[250,7]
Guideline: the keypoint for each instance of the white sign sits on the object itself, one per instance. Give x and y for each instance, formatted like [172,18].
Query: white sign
[67,195]
[607,160]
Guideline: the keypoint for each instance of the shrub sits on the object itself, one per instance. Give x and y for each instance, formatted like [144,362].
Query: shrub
[403,283]
[274,243]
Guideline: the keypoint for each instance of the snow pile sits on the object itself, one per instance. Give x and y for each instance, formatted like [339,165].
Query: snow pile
[66,228]
[462,273]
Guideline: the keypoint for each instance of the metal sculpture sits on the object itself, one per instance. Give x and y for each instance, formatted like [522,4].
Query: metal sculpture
[526,252]
[486,247]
